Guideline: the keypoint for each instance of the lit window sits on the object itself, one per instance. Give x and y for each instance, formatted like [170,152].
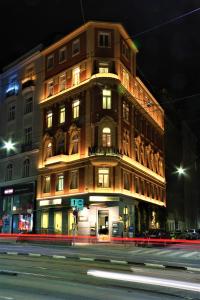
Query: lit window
[47,184]
[26,168]
[73,180]
[50,62]
[76,76]
[62,55]
[62,114]
[75,109]
[126,181]
[28,136]
[104,39]
[106,137]
[44,220]
[29,73]
[28,105]
[103,67]
[9,172]
[49,118]
[74,143]
[50,88]
[11,112]
[62,82]
[106,99]
[103,178]
[125,78]
[60,182]
[125,111]
[49,150]
[75,47]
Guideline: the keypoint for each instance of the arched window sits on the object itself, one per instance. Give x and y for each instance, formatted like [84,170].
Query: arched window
[26,168]
[106,137]
[9,172]
[49,150]
[74,143]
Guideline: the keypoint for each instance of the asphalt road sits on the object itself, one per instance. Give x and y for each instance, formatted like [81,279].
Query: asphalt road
[23,277]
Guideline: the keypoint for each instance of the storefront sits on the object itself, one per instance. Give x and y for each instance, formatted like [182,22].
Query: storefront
[17,210]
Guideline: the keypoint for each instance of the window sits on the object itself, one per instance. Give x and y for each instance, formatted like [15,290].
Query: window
[28,105]
[62,114]
[60,145]
[137,185]
[44,220]
[126,142]
[50,88]
[28,136]
[125,111]
[126,181]
[106,137]
[50,62]
[9,172]
[75,109]
[104,39]
[26,168]
[59,182]
[62,55]
[11,112]
[76,76]
[47,184]
[125,78]
[62,82]
[29,73]
[73,180]
[49,118]
[103,67]
[103,178]
[75,47]
[106,99]
[125,50]
[49,150]
[74,143]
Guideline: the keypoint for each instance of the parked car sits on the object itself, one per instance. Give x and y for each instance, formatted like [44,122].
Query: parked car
[193,234]
[158,233]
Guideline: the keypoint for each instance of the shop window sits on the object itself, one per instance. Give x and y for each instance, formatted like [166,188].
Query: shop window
[62,82]
[59,182]
[106,99]
[75,109]
[76,76]
[11,112]
[126,181]
[125,111]
[44,220]
[50,62]
[47,184]
[76,47]
[9,172]
[62,114]
[62,55]
[103,67]
[104,39]
[28,136]
[106,137]
[26,168]
[49,119]
[103,178]
[73,180]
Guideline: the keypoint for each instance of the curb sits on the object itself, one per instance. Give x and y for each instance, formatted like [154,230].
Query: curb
[112,261]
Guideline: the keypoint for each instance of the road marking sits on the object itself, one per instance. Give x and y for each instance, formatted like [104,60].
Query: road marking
[193,269]
[86,258]
[183,285]
[164,252]
[135,251]
[12,253]
[8,298]
[34,254]
[189,254]
[122,262]
[58,256]
[154,265]
[175,253]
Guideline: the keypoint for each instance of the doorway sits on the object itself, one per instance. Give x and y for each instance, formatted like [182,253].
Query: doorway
[58,222]
[103,222]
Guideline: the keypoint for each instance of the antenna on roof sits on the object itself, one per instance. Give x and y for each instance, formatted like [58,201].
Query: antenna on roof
[82,11]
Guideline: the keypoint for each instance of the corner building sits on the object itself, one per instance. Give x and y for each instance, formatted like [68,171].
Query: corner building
[102,137]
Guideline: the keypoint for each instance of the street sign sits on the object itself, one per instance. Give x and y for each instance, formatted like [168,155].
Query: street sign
[77,203]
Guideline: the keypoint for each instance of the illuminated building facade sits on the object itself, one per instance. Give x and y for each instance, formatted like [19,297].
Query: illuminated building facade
[102,137]
[20,132]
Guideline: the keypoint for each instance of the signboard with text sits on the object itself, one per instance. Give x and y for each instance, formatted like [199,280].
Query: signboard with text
[77,203]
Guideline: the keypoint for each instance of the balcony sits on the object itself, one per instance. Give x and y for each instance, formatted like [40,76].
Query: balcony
[28,86]
[60,160]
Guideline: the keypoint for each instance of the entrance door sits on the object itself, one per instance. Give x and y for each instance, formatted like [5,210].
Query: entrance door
[58,222]
[103,222]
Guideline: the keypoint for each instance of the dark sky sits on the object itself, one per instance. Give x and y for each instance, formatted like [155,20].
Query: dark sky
[169,55]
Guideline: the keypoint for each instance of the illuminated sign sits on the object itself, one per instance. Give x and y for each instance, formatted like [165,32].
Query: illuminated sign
[51,202]
[103,198]
[8,191]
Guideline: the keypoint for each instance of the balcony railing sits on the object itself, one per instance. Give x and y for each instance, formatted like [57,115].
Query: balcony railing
[28,83]
[104,151]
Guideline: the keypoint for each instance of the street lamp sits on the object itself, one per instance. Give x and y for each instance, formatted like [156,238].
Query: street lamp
[8,145]
[181,171]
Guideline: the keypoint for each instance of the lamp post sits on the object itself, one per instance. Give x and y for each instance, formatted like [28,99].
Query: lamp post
[8,145]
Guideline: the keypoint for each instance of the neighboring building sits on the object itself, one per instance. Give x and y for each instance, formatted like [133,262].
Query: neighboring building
[20,128]
[103,136]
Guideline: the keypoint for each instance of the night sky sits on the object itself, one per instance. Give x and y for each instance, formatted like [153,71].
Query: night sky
[169,54]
